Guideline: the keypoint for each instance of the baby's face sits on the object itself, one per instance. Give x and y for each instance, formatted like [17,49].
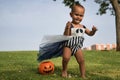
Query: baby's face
[77,14]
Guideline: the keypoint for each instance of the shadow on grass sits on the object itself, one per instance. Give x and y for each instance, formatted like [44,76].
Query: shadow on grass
[33,74]
[98,77]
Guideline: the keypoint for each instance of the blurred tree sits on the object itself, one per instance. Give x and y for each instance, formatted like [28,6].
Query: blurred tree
[112,5]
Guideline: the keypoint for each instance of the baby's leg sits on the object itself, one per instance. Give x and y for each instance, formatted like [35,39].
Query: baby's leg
[65,59]
[80,60]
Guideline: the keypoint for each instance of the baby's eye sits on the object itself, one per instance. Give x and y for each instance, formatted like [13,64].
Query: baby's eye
[81,15]
[77,14]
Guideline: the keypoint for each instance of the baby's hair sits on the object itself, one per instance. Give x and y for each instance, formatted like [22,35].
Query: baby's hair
[76,4]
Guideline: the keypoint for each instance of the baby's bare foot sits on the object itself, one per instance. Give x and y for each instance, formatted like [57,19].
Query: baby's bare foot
[64,74]
[83,77]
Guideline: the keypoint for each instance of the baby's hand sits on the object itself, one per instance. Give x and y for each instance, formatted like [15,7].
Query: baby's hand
[68,25]
[94,28]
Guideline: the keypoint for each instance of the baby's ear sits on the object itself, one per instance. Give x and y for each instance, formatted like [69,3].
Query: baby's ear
[70,14]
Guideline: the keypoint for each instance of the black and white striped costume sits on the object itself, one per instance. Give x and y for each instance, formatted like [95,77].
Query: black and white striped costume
[52,46]
[76,42]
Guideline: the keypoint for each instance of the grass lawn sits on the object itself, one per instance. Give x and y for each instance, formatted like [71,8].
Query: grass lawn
[22,65]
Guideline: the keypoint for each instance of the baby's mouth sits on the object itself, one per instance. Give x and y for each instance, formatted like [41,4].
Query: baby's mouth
[77,20]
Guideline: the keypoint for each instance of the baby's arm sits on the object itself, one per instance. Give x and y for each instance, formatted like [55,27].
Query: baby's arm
[92,32]
[67,31]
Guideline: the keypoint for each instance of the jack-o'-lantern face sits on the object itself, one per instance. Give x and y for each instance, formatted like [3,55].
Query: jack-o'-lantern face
[46,67]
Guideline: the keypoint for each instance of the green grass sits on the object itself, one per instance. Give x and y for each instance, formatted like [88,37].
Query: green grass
[22,65]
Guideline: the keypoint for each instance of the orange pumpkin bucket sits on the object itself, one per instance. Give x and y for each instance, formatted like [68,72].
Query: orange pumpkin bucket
[46,67]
